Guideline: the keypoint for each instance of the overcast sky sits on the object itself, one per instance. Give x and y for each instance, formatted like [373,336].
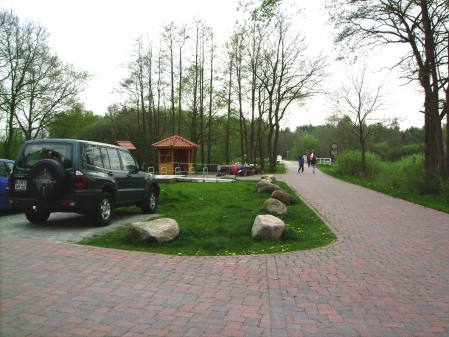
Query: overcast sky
[97,36]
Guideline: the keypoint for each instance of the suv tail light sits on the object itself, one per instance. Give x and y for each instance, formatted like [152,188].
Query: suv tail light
[80,181]
[10,181]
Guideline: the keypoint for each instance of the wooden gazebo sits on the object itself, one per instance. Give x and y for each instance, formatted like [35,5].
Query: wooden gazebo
[175,155]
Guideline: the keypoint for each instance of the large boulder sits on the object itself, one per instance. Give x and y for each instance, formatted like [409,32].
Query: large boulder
[275,206]
[268,177]
[267,227]
[282,196]
[265,186]
[159,230]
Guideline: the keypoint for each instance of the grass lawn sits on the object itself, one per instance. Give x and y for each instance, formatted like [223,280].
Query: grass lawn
[384,186]
[216,219]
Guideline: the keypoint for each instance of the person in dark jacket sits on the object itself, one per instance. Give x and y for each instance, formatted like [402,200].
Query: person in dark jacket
[301,164]
[313,162]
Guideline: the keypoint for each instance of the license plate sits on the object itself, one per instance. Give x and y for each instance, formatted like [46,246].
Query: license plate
[21,185]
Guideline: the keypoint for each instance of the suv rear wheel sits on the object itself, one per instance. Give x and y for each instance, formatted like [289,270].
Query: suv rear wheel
[37,217]
[104,211]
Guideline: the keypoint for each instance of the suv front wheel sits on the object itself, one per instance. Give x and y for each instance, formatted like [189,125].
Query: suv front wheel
[104,211]
[150,204]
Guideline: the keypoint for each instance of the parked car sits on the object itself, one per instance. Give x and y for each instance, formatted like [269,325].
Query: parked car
[66,175]
[5,168]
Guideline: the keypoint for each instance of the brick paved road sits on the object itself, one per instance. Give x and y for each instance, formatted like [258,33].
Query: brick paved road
[387,275]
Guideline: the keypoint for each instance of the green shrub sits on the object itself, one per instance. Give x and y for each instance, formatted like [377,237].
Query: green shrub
[349,163]
[411,177]
[409,150]
[445,191]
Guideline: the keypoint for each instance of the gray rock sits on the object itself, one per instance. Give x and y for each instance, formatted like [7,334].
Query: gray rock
[268,177]
[264,186]
[275,206]
[160,230]
[267,227]
[282,196]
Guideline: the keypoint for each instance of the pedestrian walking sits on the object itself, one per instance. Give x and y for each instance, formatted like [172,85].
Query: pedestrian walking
[301,164]
[308,157]
[313,162]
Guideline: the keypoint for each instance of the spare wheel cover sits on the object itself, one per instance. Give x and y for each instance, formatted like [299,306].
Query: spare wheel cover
[47,179]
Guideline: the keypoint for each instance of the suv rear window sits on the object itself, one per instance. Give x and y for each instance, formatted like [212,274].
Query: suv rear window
[37,151]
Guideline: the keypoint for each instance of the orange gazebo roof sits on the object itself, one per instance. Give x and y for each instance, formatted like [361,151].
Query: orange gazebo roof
[175,142]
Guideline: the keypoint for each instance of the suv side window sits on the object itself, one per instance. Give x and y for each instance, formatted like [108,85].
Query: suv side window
[104,154]
[114,159]
[128,161]
[92,156]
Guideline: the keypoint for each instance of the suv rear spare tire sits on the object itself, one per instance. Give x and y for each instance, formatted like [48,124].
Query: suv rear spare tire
[47,179]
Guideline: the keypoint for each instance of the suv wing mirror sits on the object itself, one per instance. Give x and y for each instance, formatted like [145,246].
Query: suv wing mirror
[143,167]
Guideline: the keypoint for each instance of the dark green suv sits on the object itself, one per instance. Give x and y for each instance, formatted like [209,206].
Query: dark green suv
[66,175]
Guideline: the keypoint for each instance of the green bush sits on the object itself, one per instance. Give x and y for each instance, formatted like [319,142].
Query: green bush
[411,177]
[445,191]
[349,163]
[409,150]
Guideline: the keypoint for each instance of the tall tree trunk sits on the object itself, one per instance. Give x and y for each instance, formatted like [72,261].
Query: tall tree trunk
[193,130]
[172,91]
[431,117]
[228,119]
[270,149]
[209,137]
[180,92]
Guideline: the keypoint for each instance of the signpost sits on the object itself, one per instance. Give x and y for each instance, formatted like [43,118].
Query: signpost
[334,148]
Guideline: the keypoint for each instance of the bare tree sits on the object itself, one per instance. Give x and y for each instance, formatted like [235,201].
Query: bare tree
[357,103]
[238,47]
[169,36]
[255,42]
[260,10]
[211,96]
[19,44]
[287,76]
[138,90]
[422,25]
[52,88]
[35,84]
[229,106]
[181,40]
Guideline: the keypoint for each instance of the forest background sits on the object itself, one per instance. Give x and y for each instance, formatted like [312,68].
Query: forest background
[230,99]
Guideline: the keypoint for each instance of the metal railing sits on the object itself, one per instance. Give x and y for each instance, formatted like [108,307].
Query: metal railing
[325,161]
[206,169]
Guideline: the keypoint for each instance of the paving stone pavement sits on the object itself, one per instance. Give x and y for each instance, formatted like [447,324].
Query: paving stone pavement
[386,275]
